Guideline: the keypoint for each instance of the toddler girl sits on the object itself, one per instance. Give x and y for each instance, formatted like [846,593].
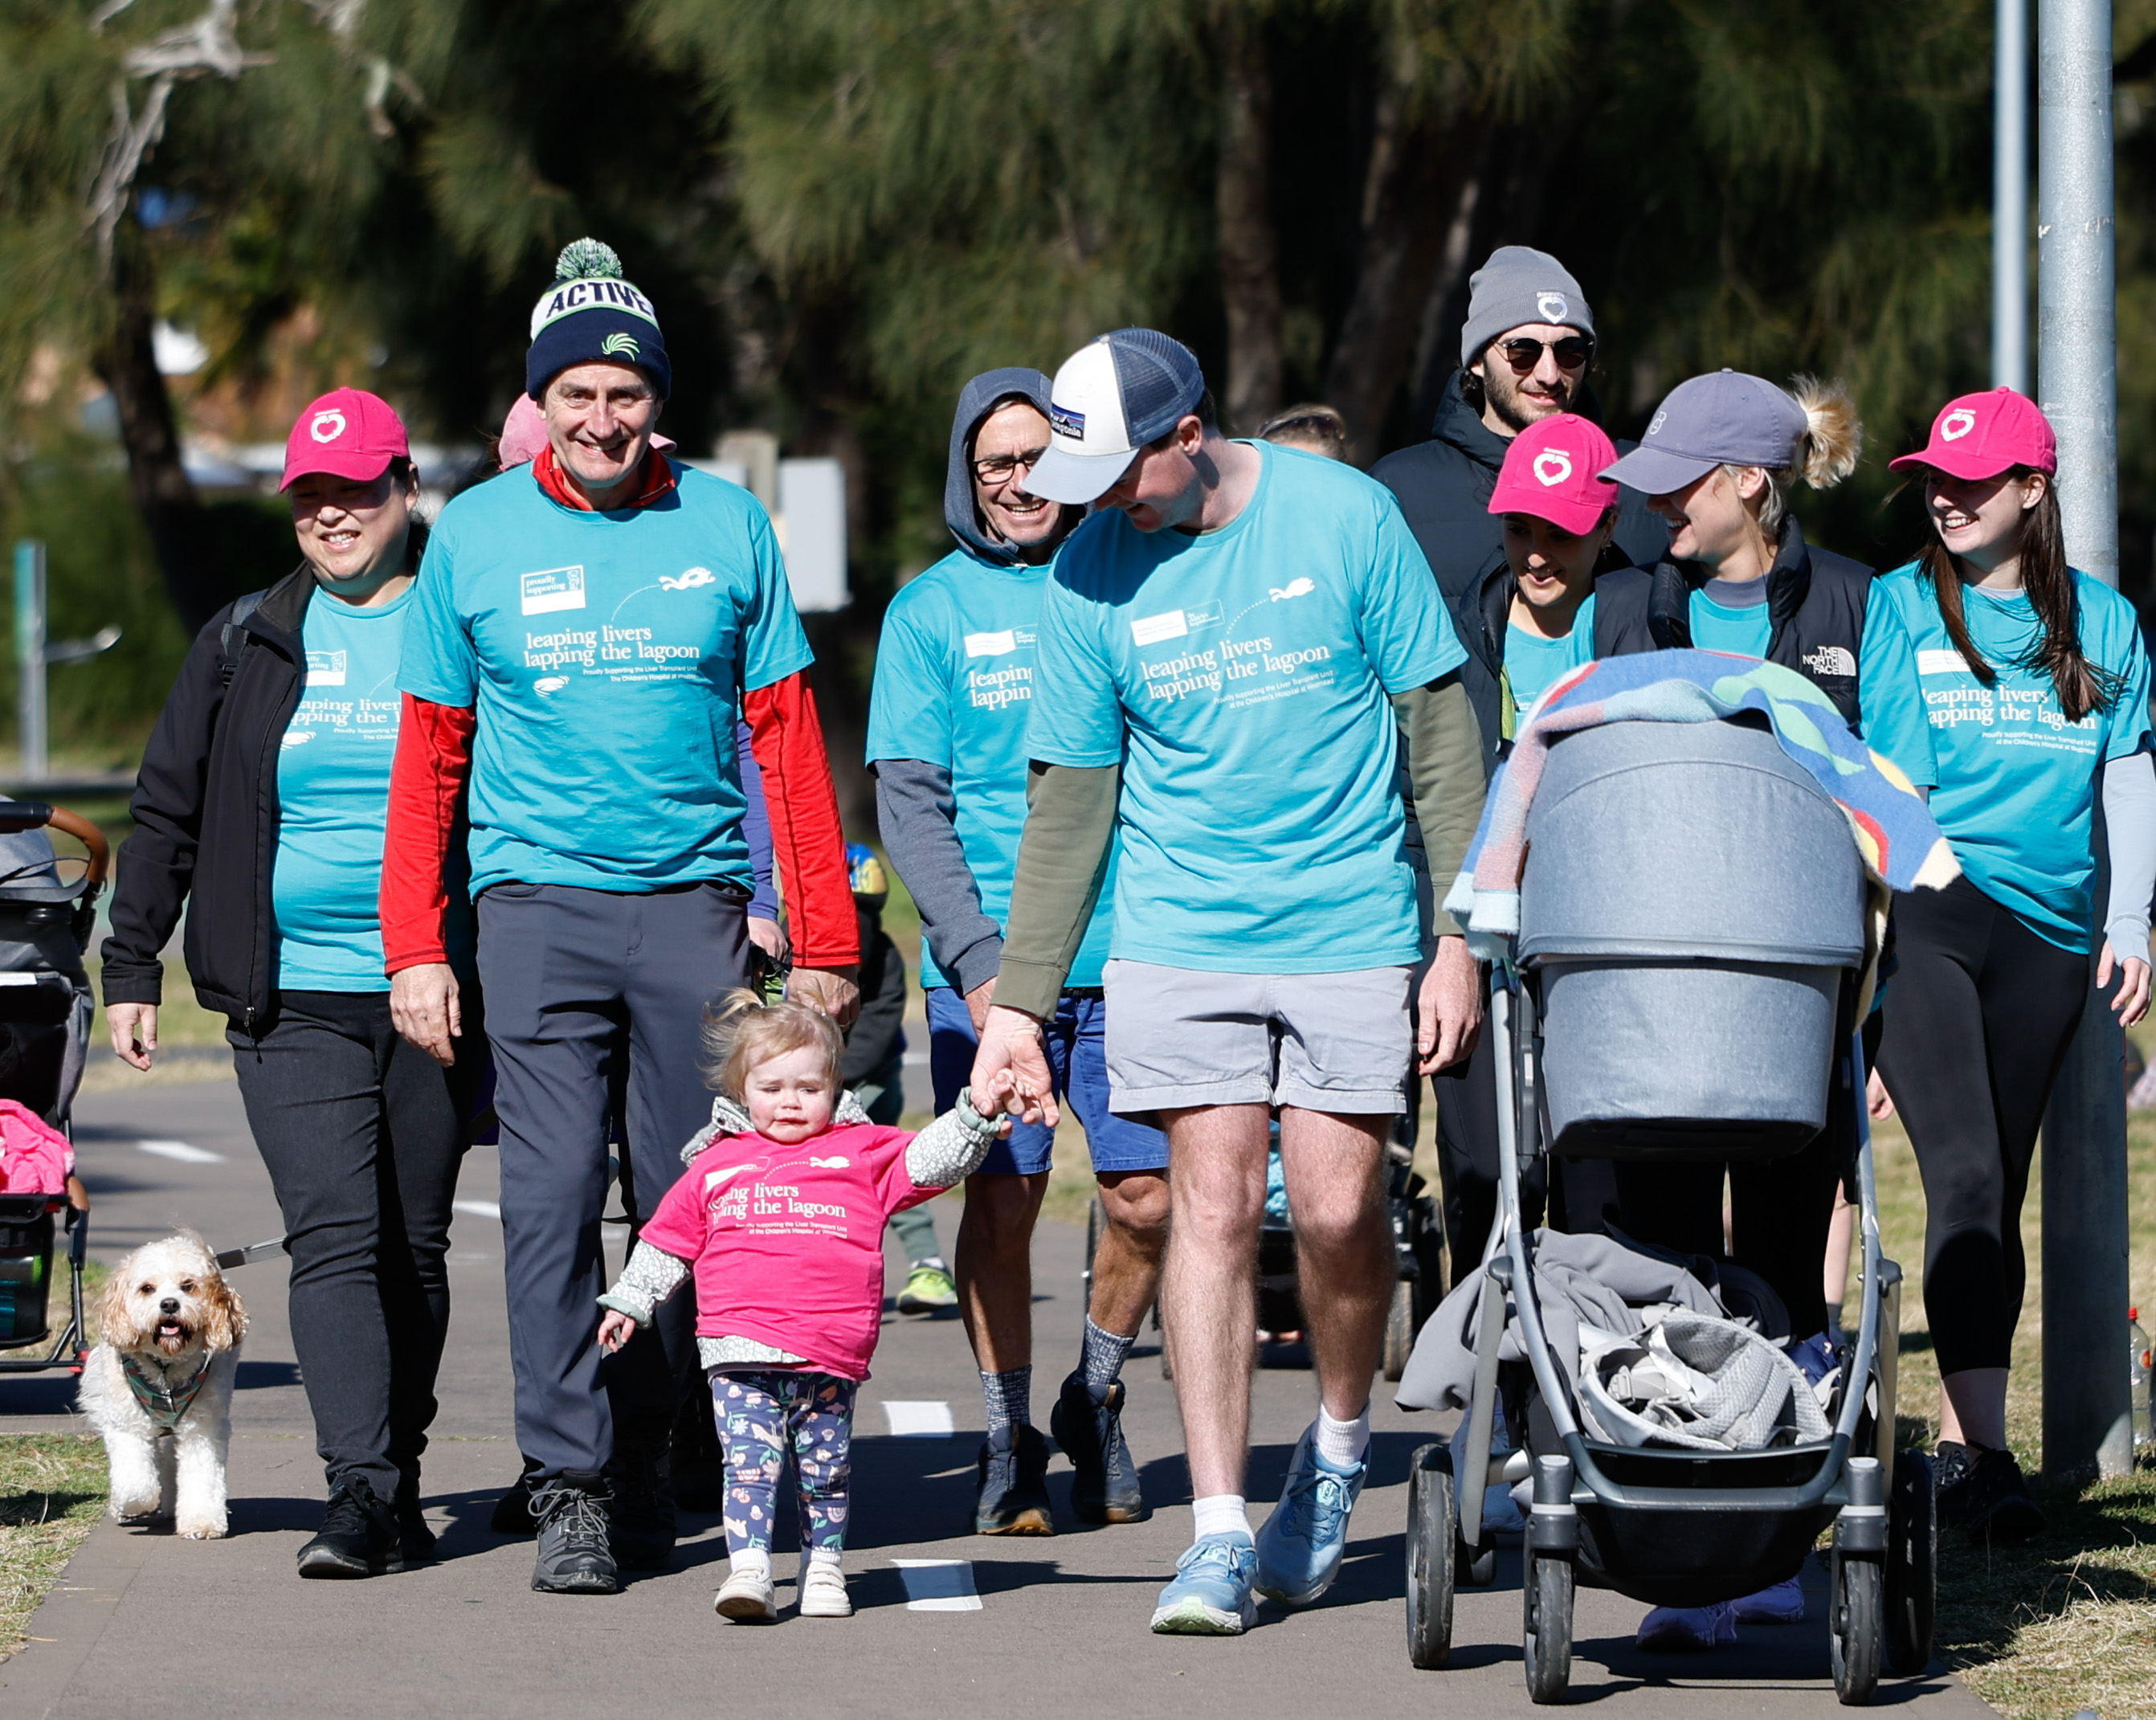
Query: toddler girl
[780,1215]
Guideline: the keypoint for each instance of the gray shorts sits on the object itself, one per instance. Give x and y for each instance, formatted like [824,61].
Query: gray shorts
[1177,1038]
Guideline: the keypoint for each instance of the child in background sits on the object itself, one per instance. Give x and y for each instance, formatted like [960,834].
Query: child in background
[874,1073]
[780,1216]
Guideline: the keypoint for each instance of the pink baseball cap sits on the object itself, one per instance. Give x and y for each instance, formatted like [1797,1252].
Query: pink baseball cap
[347,432]
[1552,470]
[1982,435]
[524,433]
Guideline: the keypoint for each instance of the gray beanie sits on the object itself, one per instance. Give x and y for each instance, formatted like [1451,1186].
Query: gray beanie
[1517,286]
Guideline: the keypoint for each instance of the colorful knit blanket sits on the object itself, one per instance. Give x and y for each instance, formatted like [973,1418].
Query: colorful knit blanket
[1900,843]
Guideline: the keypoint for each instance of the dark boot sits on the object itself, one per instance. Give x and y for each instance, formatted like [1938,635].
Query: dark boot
[512,1511]
[358,1536]
[415,1538]
[575,1555]
[640,1520]
[1088,1425]
[1012,1498]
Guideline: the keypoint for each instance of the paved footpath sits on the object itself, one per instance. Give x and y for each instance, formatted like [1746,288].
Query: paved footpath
[143,1623]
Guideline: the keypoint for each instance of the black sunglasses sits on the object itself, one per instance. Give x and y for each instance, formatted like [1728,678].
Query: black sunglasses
[1525,353]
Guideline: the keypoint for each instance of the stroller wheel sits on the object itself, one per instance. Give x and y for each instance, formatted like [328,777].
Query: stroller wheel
[1912,1576]
[1399,1329]
[1855,1626]
[1432,1538]
[1546,1625]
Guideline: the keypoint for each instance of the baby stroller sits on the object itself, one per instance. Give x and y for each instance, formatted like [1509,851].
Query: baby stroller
[1683,984]
[46,1012]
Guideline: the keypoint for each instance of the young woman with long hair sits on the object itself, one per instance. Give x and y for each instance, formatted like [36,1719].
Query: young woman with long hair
[2035,682]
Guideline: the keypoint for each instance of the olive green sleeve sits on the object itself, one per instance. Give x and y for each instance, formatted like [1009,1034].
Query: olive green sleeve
[1444,761]
[1062,856]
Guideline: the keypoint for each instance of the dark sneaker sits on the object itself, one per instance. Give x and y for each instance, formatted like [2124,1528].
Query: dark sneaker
[358,1536]
[1012,1496]
[575,1557]
[640,1519]
[512,1511]
[415,1539]
[1087,1422]
[1984,1492]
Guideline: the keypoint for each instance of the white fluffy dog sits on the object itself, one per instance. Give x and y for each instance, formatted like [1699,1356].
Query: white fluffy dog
[158,1386]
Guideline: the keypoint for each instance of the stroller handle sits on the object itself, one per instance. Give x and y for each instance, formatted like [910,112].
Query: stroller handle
[20,815]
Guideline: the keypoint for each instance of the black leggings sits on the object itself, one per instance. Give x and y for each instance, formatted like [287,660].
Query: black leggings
[1979,1019]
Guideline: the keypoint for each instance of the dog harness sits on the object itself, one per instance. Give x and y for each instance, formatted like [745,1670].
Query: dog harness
[162,1402]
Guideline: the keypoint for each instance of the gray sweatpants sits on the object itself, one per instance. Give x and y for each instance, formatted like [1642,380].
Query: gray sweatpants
[590,993]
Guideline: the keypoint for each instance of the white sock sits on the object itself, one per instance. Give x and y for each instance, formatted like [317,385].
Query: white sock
[752,1558]
[1221,1514]
[822,1555]
[1342,1443]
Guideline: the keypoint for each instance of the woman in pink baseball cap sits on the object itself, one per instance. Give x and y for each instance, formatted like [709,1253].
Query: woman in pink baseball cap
[2036,681]
[261,808]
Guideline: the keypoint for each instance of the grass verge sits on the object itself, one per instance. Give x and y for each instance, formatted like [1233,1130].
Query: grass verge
[51,1488]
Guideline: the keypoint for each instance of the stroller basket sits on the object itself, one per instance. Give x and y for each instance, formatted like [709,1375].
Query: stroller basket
[1692,904]
[25,1269]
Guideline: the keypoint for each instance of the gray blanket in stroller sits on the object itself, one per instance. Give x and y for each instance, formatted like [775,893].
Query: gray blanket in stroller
[1581,1281]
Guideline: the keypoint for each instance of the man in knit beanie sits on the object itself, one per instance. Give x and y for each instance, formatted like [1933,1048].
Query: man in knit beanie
[586,631]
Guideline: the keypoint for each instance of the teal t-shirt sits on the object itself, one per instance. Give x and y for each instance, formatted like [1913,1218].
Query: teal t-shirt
[333,795]
[2016,791]
[1533,662]
[1240,677]
[954,679]
[1890,706]
[606,654]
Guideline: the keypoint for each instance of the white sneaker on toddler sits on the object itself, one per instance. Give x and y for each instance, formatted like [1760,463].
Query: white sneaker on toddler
[823,1591]
[745,1597]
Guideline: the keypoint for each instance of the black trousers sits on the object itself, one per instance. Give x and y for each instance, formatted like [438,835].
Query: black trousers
[1979,1020]
[363,1138]
[586,989]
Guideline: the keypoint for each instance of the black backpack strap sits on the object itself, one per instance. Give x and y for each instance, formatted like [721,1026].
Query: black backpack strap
[231,638]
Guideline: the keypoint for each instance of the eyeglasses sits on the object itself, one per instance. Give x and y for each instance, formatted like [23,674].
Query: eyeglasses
[1525,353]
[997,467]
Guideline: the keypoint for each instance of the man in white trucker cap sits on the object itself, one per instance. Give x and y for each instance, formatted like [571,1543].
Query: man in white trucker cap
[1223,648]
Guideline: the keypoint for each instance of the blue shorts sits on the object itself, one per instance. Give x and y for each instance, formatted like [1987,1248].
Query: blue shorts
[1077,1056]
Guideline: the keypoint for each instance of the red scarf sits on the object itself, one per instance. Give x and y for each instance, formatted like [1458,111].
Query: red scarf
[654,479]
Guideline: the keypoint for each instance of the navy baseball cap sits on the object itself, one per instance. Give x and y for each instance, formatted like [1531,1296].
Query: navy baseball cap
[1728,418]
[1111,396]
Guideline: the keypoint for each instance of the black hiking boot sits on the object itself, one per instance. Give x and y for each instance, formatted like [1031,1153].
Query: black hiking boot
[512,1511]
[415,1538]
[575,1555]
[1984,1491]
[1012,1498]
[640,1518]
[1087,1422]
[358,1536]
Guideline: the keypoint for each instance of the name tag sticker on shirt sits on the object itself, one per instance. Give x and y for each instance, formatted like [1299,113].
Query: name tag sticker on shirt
[553,588]
[326,668]
[1152,629]
[1942,662]
[991,644]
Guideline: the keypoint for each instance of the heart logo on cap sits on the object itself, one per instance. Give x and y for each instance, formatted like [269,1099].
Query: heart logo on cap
[1552,465]
[1956,424]
[328,426]
[1553,307]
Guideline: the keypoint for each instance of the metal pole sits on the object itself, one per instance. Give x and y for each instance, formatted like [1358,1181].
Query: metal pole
[2087,1424]
[2010,198]
[30,655]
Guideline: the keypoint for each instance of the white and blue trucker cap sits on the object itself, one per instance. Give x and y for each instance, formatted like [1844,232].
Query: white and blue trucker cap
[1111,396]
[1727,418]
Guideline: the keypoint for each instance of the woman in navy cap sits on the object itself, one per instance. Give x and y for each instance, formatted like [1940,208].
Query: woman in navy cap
[2036,681]
[260,806]
[1717,462]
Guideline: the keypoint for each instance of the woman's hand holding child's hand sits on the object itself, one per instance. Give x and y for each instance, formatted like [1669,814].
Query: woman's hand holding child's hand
[1002,1096]
[616,1328]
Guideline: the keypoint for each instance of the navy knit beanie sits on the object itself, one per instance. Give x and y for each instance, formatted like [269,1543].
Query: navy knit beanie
[590,314]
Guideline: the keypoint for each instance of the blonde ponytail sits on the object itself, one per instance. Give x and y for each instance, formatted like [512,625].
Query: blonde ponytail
[1827,452]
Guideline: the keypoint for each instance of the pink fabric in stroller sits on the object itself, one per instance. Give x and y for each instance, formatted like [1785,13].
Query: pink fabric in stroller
[35,1157]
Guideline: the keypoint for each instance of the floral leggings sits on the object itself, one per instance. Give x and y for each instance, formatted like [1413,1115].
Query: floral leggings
[761,1412]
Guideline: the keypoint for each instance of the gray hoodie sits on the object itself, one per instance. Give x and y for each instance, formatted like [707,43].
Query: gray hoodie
[975,402]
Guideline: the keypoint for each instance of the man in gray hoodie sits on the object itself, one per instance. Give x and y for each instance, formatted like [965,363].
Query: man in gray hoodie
[946,741]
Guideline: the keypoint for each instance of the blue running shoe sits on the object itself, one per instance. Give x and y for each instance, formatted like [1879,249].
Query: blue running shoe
[1299,1547]
[1211,1594]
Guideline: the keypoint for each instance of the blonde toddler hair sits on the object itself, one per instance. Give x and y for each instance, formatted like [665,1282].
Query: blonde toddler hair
[741,1030]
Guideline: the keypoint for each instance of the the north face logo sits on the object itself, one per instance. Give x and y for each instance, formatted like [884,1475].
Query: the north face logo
[1830,659]
[1552,465]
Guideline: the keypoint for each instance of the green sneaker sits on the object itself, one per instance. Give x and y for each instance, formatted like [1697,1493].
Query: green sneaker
[928,1289]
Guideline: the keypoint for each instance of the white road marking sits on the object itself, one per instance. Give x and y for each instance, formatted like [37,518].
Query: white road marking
[918,1418]
[479,1208]
[938,1585]
[182,1152]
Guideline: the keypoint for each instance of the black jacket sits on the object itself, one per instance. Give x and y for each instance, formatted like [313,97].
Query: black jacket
[1443,487]
[878,1031]
[206,816]
[1815,605]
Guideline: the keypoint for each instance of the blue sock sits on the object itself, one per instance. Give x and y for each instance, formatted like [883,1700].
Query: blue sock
[1104,1358]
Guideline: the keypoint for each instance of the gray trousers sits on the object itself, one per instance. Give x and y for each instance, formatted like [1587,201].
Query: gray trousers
[592,993]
